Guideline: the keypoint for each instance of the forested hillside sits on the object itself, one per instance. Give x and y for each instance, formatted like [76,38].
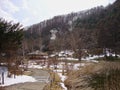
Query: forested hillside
[96,28]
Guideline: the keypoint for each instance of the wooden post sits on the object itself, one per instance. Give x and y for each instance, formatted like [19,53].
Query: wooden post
[63,69]
[2,77]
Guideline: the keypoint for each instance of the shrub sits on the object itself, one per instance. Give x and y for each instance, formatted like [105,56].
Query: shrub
[106,79]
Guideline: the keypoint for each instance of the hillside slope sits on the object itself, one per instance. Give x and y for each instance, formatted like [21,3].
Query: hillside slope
[94,28]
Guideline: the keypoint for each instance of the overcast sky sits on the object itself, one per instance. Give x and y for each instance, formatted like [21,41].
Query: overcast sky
[29,12]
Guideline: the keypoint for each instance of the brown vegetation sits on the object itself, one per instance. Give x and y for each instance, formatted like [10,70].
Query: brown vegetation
[102,76]
[76,79]
[55,82]
[108,78]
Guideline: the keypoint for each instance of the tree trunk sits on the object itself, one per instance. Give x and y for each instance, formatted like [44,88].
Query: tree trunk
[79,55]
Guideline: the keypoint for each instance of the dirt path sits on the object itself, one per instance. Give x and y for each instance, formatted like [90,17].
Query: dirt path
[41,77]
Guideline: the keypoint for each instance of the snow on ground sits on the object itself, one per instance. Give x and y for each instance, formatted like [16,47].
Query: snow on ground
[68,58]
[92,58]
[12,80]
[18,79]
[77,66]
[63,53]
[36,66]
[86,58]
[63,86]
[58,71]
[59,66]
[33,64]
[63,77]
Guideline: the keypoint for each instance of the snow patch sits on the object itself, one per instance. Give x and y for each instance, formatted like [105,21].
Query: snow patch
[63,86]
[68,58]
[63,78]
[18,79]
[92,57]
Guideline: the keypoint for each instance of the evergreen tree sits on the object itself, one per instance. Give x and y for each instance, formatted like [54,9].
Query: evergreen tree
[10,41]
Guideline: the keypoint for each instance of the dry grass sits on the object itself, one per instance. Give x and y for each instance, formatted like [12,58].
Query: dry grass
[55,77]
[28,73]
[101,76]
[53,86]
[77,79]
[108,78]
[55,82]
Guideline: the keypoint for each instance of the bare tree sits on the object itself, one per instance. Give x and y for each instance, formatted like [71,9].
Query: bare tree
[76,43]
